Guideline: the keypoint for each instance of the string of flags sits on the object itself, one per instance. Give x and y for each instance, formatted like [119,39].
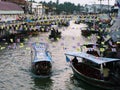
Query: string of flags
[21,45]
[27,45]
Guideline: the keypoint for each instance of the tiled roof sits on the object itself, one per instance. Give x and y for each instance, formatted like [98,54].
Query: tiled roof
[8,6]
[16,1]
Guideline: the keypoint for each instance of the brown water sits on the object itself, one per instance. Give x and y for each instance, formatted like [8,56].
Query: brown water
[15,64]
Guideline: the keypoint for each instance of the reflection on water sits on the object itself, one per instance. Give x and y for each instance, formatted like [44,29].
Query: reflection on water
[42,83]
[83,85]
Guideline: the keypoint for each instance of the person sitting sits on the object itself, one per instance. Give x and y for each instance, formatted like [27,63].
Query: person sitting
[75,60]
[58,33]
[52,34]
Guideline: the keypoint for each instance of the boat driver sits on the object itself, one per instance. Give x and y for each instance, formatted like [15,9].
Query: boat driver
[75,60]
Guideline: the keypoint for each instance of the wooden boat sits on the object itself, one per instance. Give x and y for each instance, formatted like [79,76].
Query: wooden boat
[41,59]
[54,35]
[78,20]
[90,48]
[98,71]
[85,31]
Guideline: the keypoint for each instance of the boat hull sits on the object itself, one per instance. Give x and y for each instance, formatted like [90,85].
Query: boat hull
[94,82]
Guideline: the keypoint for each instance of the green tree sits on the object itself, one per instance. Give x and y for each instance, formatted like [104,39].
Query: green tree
[66,7]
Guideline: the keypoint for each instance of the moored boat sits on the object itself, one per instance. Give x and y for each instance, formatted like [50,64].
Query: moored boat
[41,59]
[55,34]
[85,31]
[97,71]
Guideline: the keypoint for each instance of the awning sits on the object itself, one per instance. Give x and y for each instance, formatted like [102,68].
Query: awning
[89,57]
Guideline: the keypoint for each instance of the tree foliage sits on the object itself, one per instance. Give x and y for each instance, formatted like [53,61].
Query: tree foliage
[67,7]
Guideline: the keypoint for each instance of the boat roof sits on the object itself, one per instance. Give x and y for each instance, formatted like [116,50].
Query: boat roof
[41,52]
[41,57]
[89,57]
[38,46]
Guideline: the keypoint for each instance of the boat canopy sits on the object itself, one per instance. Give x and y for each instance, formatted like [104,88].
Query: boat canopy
[41,47]
[41,57]
[89,57]
[41,53]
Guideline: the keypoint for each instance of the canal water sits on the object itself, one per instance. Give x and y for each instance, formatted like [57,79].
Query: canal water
[15,64]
